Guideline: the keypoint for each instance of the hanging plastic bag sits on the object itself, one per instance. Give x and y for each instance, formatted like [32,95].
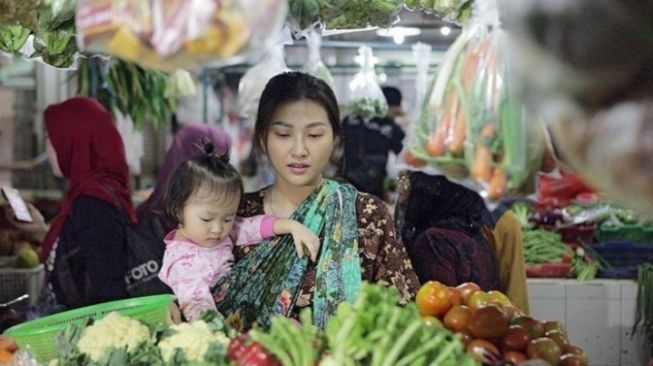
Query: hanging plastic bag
[458,11]
[422,54]
[253,82]
[303,16]
[471,126]
[181,33]
[348,14]
[366,98]
[315,66]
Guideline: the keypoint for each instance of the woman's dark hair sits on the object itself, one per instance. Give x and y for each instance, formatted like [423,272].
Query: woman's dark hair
[209,172]
[290,87]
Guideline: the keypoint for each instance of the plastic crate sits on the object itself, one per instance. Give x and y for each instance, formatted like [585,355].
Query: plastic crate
[633,233]
[15,282]
[548,270]
[40,334]
[623,257]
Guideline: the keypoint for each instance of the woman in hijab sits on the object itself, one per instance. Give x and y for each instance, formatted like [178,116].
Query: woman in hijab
[186,144]
[84,248]
[447,231]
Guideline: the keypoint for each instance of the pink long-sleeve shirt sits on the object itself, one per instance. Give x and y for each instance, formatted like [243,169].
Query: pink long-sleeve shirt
[191,270]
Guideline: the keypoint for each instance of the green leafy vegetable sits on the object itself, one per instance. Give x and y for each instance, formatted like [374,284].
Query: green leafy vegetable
[348,14]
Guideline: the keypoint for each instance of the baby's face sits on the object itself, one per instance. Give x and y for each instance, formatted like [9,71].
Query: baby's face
[208,221]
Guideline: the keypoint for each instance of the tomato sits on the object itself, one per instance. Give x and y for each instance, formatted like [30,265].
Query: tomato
[515,357]
[236,348]
[546,349]
[572,360]
[483,351]
[456,296]
[553,325]
[6,357]
[512,311]
[478,300]
[516,338]
[466,339]
[433,298]
[431,320]
[559,337]
[8,344]
[576,351]
[534,328]
[256,355]
[488,322]
[467,289]
[498,297]
[457,318]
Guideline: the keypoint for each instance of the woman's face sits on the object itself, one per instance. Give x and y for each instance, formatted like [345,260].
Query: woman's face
[299,142]
[52,157]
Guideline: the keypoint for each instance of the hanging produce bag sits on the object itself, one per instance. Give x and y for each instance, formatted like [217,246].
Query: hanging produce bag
[253,82]
[366,98]
[458,11]
[471,127]
[171,34]
[303,16]
[315,66]
[352,14]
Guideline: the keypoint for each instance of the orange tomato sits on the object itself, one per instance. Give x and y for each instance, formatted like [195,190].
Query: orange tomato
[433,298]
[467,289]
[5,356]
[498,297]
[478,300]
[456,296]
[457,318]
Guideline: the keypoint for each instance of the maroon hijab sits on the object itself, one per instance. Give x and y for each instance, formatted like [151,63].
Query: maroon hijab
[185,145]
[91,156]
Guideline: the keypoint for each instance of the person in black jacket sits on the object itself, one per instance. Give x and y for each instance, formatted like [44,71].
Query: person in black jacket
[84,247]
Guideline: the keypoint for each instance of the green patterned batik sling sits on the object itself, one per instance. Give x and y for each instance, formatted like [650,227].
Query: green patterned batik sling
[267,281]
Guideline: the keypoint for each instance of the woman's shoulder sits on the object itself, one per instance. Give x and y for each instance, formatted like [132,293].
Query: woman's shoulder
[369,206]
[91,205]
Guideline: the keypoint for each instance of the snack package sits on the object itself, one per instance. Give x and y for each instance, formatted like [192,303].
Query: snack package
[365,96]
[171,34]
[253,82]
[314,65]
[586,67]
[471,127]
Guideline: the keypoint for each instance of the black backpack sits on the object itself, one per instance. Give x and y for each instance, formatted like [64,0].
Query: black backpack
[145,248]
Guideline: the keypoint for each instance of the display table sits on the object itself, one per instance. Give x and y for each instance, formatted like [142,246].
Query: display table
[598,316]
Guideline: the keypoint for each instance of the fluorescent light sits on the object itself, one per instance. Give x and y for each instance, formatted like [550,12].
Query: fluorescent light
[399,38]
[399,32]
[445,31]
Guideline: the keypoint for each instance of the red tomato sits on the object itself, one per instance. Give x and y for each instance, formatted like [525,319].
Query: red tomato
[572,360]
[576,351]
[488,322]
[532,326]
[559,337]
[433,298]
[456,296]
[515,357]
[516,338]
[483,351]
[546,349]
[457,318]
[468,289]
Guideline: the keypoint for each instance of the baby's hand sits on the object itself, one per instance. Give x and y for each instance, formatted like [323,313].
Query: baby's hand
[305,238]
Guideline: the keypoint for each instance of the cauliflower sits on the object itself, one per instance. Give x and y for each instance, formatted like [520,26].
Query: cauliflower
[114,330]
[194,339]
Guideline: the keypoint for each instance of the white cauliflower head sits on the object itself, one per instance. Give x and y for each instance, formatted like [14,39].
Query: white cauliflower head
[114,330]
[194,339]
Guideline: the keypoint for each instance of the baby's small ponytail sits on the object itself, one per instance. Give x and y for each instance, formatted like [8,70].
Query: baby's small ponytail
[208,148]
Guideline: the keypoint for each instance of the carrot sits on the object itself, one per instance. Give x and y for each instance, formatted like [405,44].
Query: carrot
[412,160]
[459,133]
[489,130]
[470,65]
[497,184]
[435,145]
[5,356]
[482,166]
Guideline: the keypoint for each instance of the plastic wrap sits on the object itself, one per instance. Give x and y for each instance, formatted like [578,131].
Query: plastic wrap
[457,11]
[422,54]
[253,82]
[303,16]
[365,96]
[179,33]
[353,14]
[471,126]
[315,66]
[587,67]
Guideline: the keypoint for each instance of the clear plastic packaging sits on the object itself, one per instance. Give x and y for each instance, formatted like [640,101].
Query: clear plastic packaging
[354,14]
[253,82]
[422,54]
[457,11]
[315,66]
[171,34]
[471,126]
[303,16]
[365,96]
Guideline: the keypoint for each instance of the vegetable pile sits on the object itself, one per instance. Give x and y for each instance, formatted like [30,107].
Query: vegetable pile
[345,14]
[493,330]
[470,126]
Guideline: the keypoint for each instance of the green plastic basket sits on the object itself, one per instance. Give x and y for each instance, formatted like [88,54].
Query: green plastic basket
[634,233]
[40,334]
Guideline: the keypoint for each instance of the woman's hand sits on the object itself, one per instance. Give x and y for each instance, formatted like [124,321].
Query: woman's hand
[305,239]
[34,230]
[174,314]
